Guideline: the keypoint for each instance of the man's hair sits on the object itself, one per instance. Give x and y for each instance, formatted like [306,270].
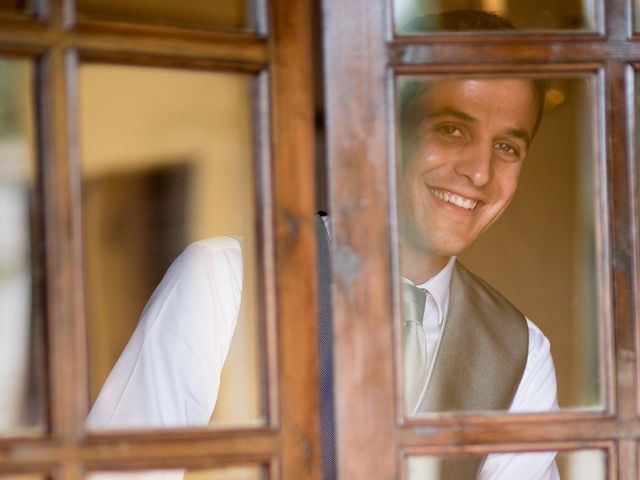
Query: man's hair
[458,21]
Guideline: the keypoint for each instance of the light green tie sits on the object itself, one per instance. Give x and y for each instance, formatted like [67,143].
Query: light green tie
[415,345]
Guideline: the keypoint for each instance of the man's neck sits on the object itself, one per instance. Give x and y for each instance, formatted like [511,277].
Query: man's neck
[420,267]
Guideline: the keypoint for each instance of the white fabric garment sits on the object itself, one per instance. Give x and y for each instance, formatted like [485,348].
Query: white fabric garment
[169,372]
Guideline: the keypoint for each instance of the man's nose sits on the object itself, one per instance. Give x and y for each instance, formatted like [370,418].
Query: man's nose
[475,164]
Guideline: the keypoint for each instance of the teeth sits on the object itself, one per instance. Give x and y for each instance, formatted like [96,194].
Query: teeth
[465,203]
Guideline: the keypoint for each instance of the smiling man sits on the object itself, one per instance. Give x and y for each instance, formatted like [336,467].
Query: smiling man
[463,144]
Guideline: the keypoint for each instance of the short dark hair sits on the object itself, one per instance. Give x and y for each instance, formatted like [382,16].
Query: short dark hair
[464,20]
[460,21]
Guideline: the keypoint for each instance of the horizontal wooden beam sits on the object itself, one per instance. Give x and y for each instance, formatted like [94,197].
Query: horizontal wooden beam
[517,51]
[515,429]
[145,450]
[483,449]
[141,44]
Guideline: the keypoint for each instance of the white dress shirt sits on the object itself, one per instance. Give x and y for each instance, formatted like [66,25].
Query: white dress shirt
[169,373]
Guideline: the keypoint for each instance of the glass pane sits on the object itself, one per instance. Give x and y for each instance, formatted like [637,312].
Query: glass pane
[227,473]
[167,161]
[571,465]
[230,14]
[22,392]
[426,16]
[468,146]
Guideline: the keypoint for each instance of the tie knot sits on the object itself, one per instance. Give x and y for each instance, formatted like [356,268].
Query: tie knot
[413,299]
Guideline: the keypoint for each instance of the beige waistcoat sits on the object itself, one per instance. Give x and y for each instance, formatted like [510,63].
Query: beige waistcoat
[480,361]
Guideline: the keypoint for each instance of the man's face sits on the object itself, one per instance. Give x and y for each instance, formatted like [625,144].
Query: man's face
[462,161]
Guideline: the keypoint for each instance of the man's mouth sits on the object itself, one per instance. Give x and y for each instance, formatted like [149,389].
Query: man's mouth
[466,203]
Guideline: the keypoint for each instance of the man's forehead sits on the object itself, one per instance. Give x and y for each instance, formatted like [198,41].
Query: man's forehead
[434,88]
[423,98]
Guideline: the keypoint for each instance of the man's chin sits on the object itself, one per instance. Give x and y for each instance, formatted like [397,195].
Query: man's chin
[442,244]
[453,250]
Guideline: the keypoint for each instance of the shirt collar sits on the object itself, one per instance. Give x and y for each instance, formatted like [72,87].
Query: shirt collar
[438,287]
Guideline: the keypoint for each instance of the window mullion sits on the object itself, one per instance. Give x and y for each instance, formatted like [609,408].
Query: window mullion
[61,187]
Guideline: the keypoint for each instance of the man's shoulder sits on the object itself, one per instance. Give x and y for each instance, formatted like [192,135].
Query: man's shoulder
[217,245]
[214,250]
[480,290]
[538,343]
[215,258]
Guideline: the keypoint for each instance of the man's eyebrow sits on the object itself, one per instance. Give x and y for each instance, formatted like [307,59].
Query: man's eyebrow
[453,112]
[521,134]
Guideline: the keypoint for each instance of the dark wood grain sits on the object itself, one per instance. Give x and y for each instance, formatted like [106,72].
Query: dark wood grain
[292,147]
[357,132]
[622,238]
[65,312]
[247,52]
[517,50]
[266,254]
[155,448]
[626,463]
[607,447]
[64,302]
[468,431]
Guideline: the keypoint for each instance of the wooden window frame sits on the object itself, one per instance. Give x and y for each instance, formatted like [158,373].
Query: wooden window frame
[357,82]
[279,57]
[359,117]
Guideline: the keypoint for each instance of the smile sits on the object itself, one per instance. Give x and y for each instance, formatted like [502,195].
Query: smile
[466,203]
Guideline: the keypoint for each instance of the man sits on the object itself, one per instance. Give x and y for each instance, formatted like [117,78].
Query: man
[463,144]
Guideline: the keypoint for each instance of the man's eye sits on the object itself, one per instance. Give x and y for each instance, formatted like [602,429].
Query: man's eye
[450,130]
[508,149]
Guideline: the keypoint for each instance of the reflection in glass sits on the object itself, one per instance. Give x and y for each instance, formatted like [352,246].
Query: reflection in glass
[21,347]
[231,14]
[571,465]
[226,473]
[167,161]
[416,16]
[541,254]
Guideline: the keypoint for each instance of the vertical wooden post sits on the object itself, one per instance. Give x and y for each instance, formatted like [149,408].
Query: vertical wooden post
[294,205]
[356,98]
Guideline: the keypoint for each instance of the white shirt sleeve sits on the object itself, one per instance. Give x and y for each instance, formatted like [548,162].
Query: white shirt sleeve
[536,393]
[169,373]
